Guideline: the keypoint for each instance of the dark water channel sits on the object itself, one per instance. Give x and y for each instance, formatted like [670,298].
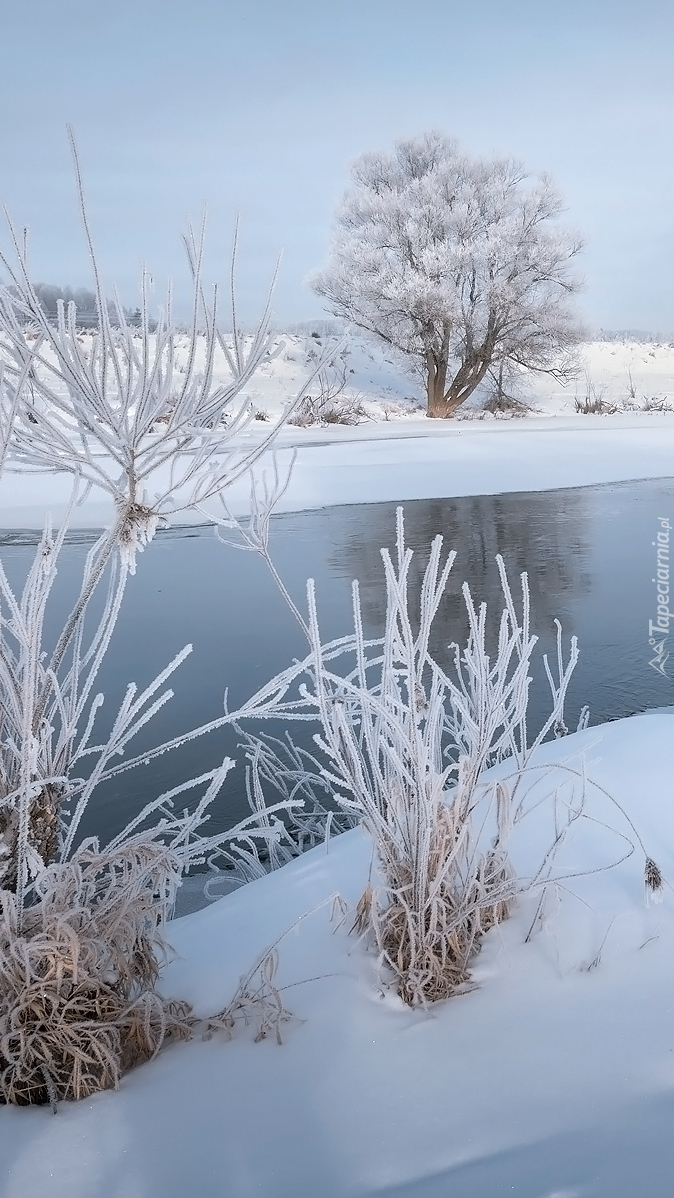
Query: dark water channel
[588,552]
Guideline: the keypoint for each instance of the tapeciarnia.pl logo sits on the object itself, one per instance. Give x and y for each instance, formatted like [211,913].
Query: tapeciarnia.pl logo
[658,629]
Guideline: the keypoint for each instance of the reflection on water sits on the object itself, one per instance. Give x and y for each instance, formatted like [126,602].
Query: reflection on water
[588,553]
[548,540]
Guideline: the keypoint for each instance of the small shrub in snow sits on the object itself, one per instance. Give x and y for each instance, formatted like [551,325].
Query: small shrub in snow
[657,404]
[506,405]
[405,745]
[502,400]
[594,403]
[501,404]
[406,748]
[80,926]
[316,410]
[595,406]
[78,968]
[330,404]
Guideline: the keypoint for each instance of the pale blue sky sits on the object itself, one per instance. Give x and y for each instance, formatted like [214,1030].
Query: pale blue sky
[261,105]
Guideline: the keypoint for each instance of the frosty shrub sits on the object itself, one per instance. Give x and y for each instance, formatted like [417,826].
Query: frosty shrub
[123,411]
[594,402]
[405,747]
[80,962]
[329,401]
[502,399]
[81,922]
[78,970]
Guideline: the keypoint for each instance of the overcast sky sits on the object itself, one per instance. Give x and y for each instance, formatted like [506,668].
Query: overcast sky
[260,105]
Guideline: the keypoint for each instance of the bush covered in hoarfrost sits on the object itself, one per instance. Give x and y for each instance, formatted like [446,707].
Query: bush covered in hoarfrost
[80,922]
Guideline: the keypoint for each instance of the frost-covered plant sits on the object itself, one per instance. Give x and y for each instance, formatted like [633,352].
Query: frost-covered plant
[594,402]
[657,404]
[79,966]
[504,379]
[140,415]
[405,747]
[78,969]
[80,923]
[330,404]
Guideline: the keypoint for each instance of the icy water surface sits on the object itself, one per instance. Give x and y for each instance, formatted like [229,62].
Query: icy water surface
[589,554]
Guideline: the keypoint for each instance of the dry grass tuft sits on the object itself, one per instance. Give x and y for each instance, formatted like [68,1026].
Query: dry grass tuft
[78,972]
[257,1000]
[78,1005]
[506,404]
[429,945]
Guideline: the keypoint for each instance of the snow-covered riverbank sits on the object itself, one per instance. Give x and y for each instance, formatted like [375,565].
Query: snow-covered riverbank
[555,1076]
[418,459]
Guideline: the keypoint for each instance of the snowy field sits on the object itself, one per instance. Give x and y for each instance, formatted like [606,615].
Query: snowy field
[420,459]
[554,1076]
[394,452]
[622,374]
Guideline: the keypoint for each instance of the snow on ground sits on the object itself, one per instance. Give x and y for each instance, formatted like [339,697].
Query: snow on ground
[396,453]
[553,1078]
[415,459]
[626,373]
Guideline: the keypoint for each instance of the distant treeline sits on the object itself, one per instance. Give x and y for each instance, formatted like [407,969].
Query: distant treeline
[324,328]
[634,335]
[84,300]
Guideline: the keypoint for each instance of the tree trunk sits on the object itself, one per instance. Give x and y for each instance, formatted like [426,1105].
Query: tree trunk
[444,401]
[467,378]
[436,381]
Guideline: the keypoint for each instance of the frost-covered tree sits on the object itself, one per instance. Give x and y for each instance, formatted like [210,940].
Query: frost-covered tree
[457,263]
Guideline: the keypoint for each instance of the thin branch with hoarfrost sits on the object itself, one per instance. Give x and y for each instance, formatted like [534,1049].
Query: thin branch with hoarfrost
[151,418]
